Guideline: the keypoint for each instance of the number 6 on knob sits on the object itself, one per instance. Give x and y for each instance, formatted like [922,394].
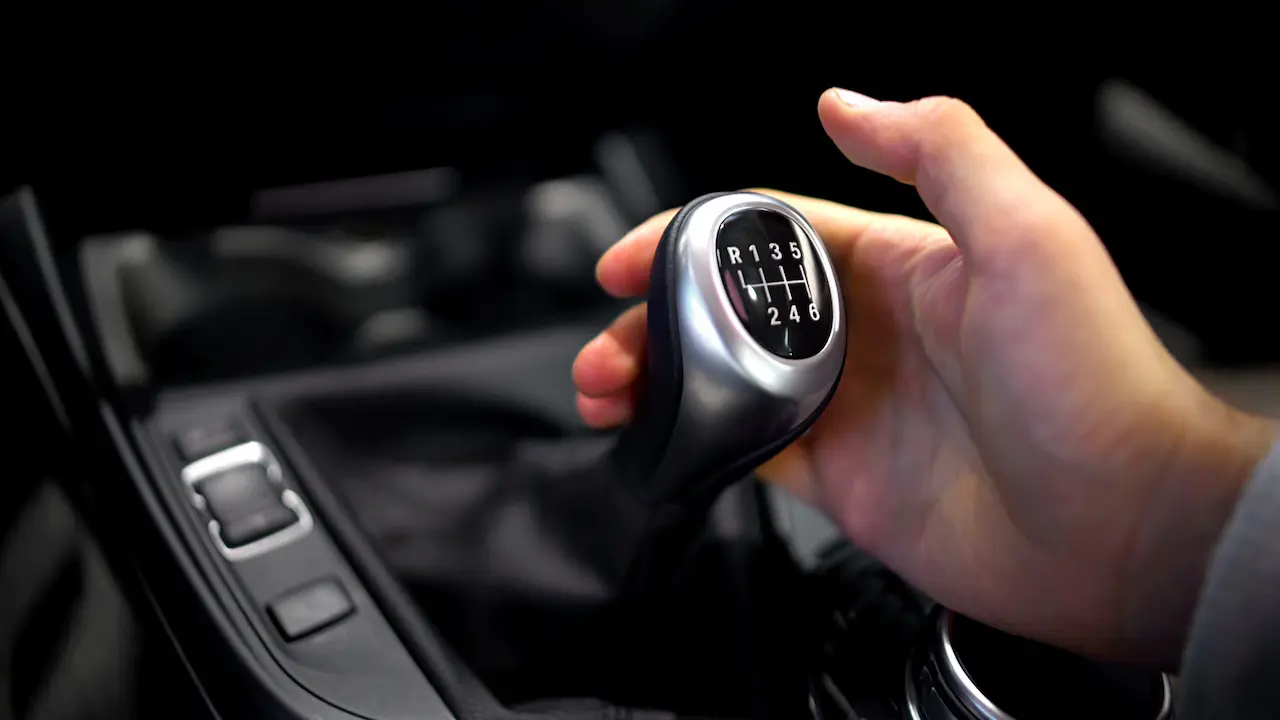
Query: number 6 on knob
[746,345]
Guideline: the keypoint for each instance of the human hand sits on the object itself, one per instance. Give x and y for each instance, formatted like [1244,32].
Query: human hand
[1009,434]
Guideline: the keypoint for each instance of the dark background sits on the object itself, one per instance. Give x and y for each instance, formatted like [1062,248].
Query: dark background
[171,132]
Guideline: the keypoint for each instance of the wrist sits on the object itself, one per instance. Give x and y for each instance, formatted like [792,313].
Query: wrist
[1219,449]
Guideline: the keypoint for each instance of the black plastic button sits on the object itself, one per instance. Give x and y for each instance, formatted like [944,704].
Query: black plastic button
[256,525]
[312,608]
[775,282]
[204,440]
[246,503]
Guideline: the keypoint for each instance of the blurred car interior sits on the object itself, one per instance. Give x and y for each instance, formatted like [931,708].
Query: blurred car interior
[386,289]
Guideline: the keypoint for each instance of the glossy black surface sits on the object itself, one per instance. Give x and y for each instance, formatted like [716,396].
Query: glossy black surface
[1030,680]
[246,504]
[775,282]
[311,608]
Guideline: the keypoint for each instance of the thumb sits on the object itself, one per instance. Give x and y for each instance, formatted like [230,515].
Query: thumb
[968,178]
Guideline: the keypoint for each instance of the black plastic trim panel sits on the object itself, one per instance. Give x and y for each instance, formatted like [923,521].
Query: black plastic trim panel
[152,541]
[358,664]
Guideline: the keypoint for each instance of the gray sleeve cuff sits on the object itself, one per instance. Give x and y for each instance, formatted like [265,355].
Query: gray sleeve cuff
[1231,666]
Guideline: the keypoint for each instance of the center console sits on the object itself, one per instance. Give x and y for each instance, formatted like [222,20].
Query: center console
[420,526]
[360,503]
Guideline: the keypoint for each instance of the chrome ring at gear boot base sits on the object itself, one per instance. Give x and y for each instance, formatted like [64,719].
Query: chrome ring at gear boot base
[939,688]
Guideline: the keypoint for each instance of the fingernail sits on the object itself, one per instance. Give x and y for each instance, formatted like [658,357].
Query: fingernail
[855,99]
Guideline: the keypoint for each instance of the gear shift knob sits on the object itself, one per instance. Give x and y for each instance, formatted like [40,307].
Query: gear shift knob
[573,574]
[746,345]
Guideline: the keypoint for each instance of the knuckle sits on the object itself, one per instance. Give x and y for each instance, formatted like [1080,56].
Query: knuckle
[943,124]
[946,123]
[948,112]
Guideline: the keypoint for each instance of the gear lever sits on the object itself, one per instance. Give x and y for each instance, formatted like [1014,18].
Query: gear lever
[608,575]
[746,346]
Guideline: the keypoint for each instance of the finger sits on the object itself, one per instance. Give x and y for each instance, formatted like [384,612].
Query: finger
[790,471]
[605,412]
[624,269]
[967,176]
[612,361]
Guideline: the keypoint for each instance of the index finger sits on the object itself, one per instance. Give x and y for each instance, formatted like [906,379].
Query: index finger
[623,270]
[972,181]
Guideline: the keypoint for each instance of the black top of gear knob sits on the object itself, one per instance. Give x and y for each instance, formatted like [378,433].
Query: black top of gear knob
[774,281]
